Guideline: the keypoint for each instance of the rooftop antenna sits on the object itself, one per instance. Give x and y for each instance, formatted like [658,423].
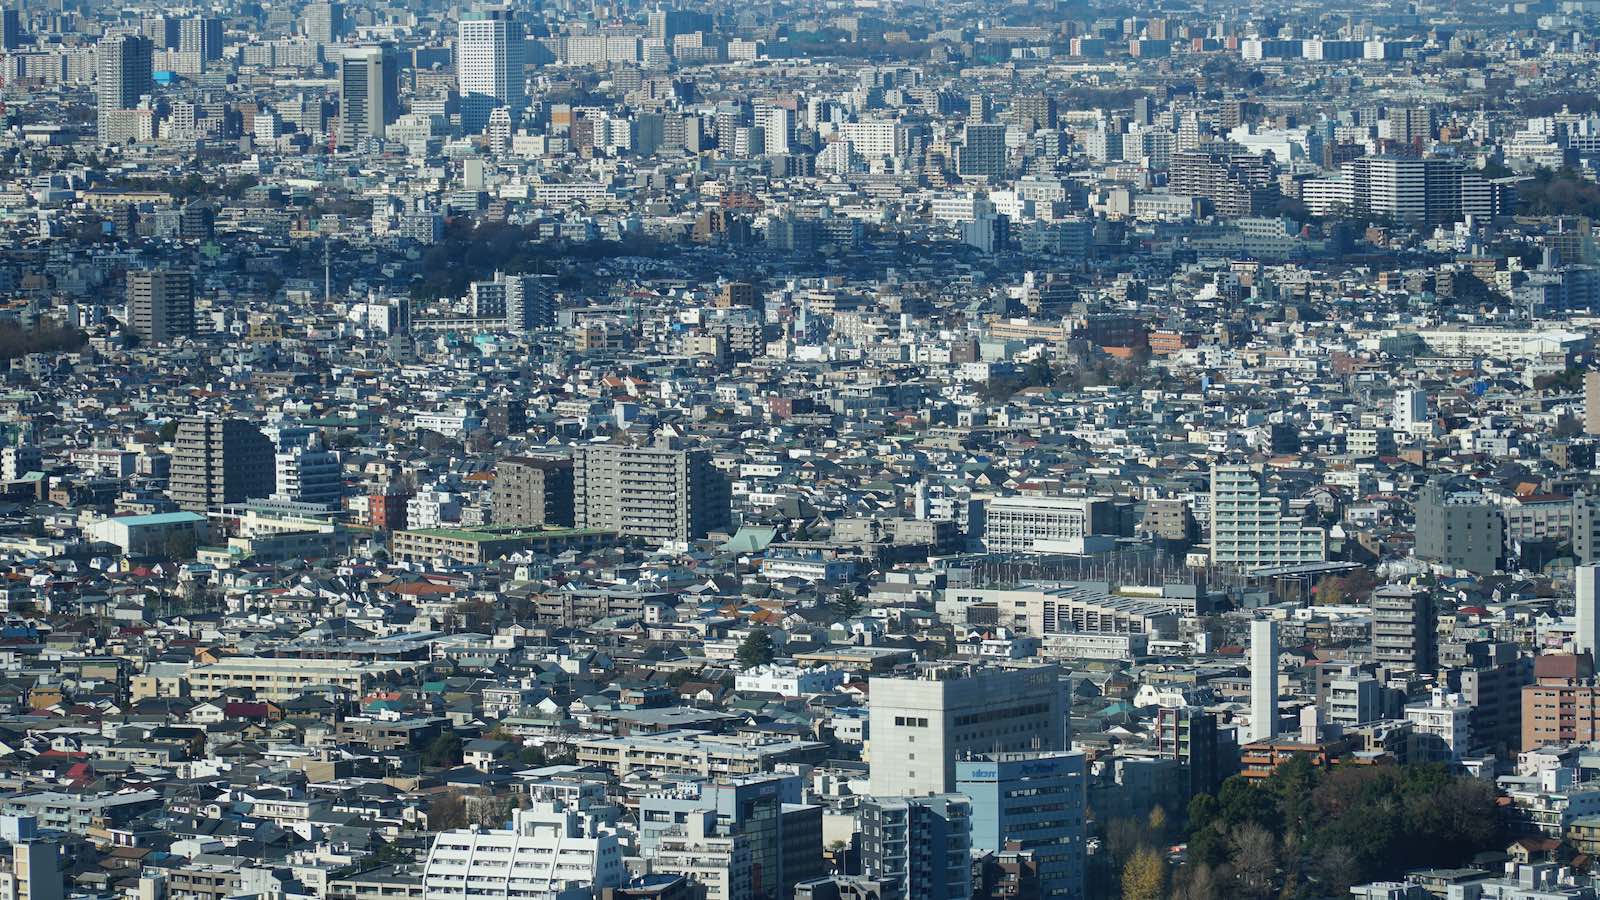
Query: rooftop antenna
[327,271]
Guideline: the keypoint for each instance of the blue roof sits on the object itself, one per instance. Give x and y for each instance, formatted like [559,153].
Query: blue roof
[160,519]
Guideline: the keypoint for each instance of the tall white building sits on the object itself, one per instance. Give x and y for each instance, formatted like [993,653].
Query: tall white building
[1411,412]
[1251,530]
[1390,186]
[551,852]
[777,128]
[1587,637]
[489,61]
[920,726]
[1263,680]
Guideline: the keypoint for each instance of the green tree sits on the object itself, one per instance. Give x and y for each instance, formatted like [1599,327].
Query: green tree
[757,649]
[444,751]
[1241,801]
[844,605]
[1291,784]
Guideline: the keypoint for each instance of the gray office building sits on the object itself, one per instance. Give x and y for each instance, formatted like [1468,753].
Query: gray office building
[1459,529]
[369,93]
[323,23]
[1586,529]
[921,726]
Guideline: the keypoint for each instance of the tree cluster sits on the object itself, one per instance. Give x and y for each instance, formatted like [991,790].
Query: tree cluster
[1356,586]
[470,253]
[17,341]
[1306,832]
[1563,193]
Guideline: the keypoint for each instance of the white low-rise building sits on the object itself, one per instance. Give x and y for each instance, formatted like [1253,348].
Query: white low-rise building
[788,681]
[551,852]
[1445,716]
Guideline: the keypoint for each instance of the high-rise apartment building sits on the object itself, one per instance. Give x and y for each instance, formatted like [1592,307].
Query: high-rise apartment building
[1441,727]
[777,125]
[1349,696]
[1250,529]
[533,491]
[982,153]
[1591,402]
[160,304]
[921,726]
[1433,190]
[1189,735]
[216,461]
[666,24]
[202,35]
[1586,529]
[161,30]
[1490,676]
[1411,412]
[1404,628]
[10,28]
[718,864]
[369,93]
[524,301]
[661,493]
[123,76]
[489,67]
[918,848]
[1031,112]
[1409,124]
[1036,801]
[1235,183]
[18,461]
[31,867]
